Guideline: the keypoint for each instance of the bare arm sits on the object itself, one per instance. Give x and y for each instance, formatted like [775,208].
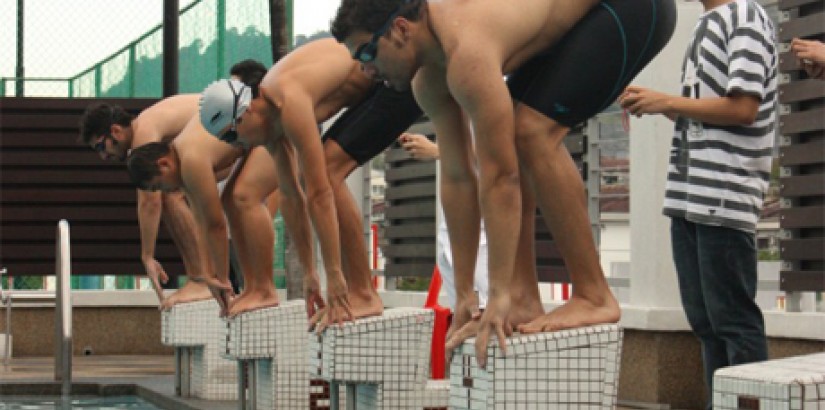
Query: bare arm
[149,211]
[297,114]
[735,109]
[201,188]
[475,81]
[459,190]
[296,218]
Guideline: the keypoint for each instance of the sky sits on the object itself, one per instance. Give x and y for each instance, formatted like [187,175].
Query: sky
[64,37]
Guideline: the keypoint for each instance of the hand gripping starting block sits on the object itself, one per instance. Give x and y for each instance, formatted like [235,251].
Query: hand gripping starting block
[793,383]
[269,346]
[194,329]
[383,361]
[570,369]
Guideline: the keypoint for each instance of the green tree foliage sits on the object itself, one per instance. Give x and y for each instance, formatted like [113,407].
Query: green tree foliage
[198,65]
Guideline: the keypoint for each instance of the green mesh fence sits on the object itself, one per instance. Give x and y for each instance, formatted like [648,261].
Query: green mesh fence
[213,35]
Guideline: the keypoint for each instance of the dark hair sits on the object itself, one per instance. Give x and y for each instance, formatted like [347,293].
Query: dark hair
[98,119]
[250,72]
[370,15]
[142,163]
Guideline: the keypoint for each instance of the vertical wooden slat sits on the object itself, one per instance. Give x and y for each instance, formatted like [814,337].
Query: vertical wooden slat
[802,154]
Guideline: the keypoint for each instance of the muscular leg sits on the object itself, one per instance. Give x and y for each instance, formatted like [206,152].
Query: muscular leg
[560,194]
[364,300]
[524,285]
[180,223]
[252,233]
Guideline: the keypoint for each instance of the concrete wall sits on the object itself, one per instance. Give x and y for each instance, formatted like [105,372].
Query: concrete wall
[666,367]
[106,330]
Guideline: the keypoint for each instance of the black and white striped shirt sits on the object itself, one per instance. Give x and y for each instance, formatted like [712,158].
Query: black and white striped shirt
[718,175]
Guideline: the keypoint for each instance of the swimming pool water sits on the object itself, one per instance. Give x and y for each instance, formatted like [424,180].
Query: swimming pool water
[89,402]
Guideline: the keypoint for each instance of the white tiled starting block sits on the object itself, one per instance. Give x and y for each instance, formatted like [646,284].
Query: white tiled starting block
[793,383]
[270,349]
[569,369]
[195,329]
[384,361]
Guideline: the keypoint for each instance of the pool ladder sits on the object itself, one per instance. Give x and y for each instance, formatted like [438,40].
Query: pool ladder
[63,309]
[5,301]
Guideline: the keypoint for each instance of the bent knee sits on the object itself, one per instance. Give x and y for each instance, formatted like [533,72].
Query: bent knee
[534,130]
[242,199]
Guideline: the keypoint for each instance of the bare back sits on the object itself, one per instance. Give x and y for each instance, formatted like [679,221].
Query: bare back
[324,71]
[164,120]
[195,144]
[513,31]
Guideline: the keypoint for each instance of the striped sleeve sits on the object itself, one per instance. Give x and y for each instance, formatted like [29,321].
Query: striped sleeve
[750,54]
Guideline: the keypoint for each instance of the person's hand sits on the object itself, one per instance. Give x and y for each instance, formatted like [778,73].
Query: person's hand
[466,315]
[312,294]
[811,55]
[493,322]
[155,272]
[338,309]
[639,101]
[419,146]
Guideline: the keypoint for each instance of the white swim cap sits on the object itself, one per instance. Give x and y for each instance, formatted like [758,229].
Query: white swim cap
[223,102]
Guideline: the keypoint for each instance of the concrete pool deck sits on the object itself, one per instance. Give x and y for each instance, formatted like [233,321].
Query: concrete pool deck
[149,377]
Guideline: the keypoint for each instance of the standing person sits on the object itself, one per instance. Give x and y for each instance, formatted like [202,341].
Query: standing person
[421,148]
[454,53]
[305,88]
[719,172]
[811,54]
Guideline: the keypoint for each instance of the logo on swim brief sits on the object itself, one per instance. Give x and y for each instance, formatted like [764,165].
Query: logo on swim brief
[559,108]
[215,117]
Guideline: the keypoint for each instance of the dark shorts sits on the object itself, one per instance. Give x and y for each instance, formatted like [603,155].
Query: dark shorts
[368,128]
[592,64]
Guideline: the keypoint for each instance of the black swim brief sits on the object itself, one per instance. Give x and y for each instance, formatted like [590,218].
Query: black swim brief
[592,64]
[368,128]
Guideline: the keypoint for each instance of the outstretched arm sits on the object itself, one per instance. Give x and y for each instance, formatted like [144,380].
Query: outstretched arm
[298,117]
[201,189]
[149,210]
[296,218]
[474,79]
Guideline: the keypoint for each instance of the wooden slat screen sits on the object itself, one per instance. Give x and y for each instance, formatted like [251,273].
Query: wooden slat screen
[46,175]
[410,215]
[802,154]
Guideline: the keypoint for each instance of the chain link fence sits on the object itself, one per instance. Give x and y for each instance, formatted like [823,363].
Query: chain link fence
[213,35]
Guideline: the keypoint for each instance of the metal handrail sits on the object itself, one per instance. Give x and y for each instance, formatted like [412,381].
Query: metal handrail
[63,309]
[6,301]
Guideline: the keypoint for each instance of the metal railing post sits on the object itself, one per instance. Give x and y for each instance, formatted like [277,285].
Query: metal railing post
[6,300]
[63,310]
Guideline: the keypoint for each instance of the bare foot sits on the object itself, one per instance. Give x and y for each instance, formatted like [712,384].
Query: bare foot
[239,297]
[357,306]
[253,300]
[577,312]
[190,292]
[365,305]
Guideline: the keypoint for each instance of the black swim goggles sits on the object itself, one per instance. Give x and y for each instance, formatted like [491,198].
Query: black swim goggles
[231,135]
[367,52]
